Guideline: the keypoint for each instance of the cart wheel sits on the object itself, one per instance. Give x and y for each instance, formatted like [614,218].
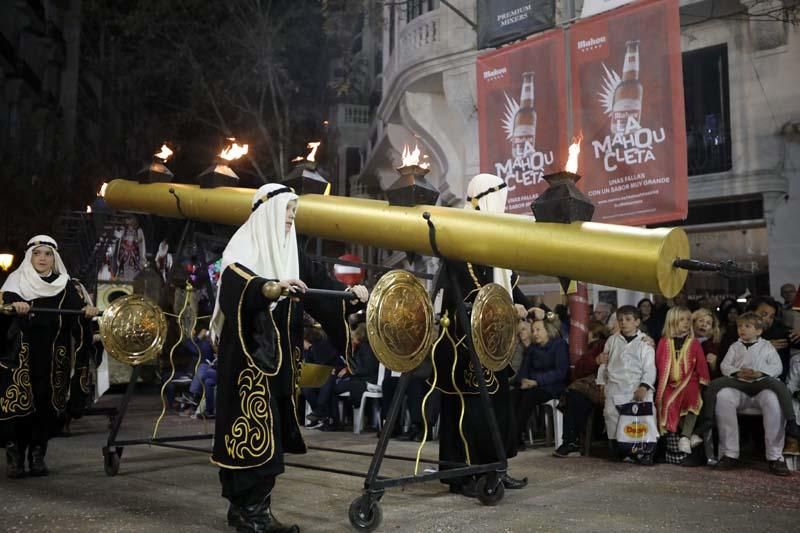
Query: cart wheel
[365,522]
[111,463]
[490,489]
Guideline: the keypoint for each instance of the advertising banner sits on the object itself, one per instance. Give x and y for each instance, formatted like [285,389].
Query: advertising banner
[503,21]
[627,96]
[522,115]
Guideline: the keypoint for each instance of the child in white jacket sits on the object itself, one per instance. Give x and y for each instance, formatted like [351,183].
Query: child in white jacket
[630,369]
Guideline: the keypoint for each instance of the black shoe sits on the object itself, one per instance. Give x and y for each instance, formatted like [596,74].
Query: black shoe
[235,518]
[645,459]
[258,518]
[36,464]
[779,468]
[469,489]
[314,417]
[411,434]
[15,462]
[567,449]
[792,429]
[512,483]
[727,463]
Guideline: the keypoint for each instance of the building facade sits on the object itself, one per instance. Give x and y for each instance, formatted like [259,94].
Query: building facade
[743,127]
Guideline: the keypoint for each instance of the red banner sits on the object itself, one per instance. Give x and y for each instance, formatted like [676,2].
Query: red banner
[627,94]
[522,115]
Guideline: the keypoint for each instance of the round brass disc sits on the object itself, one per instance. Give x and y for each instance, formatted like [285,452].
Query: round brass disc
[400,321]
[133,329]
[494,326]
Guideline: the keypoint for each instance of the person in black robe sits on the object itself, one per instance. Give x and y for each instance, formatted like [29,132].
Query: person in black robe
[467,439]
[260,341]
[36,363]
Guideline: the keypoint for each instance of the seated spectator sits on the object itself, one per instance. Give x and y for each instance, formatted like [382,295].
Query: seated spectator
[363,369]
[775,331]
[544,372]
[583,393]
[629,373]
[681,369]
[523,341]
[207,356]
[727,326]
[317,349]
[793,384]
[705,327]
[752,366]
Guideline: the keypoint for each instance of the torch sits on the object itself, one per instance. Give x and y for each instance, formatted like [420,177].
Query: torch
[307,177]
[220,174]
[411,188]
[564,203]
[156,171]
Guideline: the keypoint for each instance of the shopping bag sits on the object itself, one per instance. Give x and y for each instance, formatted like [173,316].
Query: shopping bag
[637,432]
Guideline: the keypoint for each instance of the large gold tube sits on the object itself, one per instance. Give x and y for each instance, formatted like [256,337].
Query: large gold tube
[618,256]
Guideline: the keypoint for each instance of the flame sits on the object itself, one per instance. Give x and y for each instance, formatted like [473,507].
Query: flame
[574,150]
[313,147]
[88,209]
[164,154]
[298,159]
[234,151]
[6,260]
[103,188]
[411,158]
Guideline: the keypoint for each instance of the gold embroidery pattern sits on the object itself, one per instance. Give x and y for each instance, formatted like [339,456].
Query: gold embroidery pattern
[471,379]
[61,367]
[84,380]
[251,433]
[19,396]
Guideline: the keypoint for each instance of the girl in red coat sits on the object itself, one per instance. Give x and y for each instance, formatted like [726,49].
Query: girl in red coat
[682,368]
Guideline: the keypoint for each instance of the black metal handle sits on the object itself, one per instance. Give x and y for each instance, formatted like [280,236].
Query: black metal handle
[325,293]
[725,268]
[9,310]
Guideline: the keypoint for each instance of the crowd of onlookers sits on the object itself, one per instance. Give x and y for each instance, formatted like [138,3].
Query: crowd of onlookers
[687,367]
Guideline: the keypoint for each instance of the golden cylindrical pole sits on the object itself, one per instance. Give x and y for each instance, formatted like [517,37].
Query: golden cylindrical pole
[618,256]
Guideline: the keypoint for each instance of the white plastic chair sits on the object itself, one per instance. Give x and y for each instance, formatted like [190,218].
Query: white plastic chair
[373,391]
[558,422]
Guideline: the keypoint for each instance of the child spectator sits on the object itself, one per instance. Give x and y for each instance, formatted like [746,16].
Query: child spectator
[705,327]
[681,367]
[544,371]
[754,365]
[629,372]
[583,393]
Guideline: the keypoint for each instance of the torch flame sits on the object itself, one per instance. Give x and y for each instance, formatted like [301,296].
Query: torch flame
[411,158]
[313,146]
[164,154]
[234,151]
[103,188]
[88,209]
[574,150]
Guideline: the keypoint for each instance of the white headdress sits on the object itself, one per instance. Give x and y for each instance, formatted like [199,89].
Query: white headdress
[262,243]
[488,193]
[26,282]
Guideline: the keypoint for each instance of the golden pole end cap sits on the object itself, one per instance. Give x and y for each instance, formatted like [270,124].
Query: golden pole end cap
[444,321]
[271,290]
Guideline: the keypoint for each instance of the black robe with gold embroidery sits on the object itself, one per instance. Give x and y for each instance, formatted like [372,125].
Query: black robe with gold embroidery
[259,355]
[35,376]
[474,427]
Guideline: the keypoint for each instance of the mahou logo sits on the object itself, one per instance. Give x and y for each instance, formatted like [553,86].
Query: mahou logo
[494,74]
[592,43]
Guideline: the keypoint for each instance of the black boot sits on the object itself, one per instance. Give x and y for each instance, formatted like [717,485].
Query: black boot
[258,518]
[513,483]
[36,464]
[235,518]
[15,461]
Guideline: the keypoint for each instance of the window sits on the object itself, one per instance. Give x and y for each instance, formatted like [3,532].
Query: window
[352,166]
[392,18]
[415,8]
[705,90]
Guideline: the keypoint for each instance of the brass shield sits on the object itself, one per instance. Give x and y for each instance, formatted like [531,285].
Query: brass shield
[400,321]
[133,329]
[494,326]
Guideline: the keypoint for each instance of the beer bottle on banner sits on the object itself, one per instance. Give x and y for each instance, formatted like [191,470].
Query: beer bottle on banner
[628,95]
[523,138]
